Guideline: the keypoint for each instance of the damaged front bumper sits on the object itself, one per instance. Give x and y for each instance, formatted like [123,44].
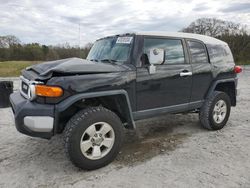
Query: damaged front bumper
[31,118]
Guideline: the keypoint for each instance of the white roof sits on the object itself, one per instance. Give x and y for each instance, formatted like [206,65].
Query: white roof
[203,38]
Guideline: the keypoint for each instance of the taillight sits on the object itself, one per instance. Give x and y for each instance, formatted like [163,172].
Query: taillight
[237,69]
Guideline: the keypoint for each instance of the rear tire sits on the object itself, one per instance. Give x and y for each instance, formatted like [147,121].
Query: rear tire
[215,111]
[93,138]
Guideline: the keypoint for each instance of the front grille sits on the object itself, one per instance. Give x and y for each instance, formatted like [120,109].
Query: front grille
[24,88]
[27,88]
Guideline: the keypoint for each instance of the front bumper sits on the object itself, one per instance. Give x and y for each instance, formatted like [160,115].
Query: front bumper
[238,91]
[31,118]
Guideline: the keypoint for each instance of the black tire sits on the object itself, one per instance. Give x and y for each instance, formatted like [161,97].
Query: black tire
[206,111]
[76,127]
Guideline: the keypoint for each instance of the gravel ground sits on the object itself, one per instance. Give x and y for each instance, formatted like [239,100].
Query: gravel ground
[168,151]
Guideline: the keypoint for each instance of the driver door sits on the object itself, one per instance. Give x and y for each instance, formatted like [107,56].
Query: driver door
[170,85]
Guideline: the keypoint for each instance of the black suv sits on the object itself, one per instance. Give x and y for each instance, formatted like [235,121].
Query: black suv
[125,78]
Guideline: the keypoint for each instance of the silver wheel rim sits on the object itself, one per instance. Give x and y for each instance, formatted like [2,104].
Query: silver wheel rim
[220,111]
[97,140]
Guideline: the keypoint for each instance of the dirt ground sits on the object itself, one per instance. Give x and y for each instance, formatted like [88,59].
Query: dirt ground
[168,151]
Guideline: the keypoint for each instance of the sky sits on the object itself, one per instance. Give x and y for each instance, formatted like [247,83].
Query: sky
[54,22]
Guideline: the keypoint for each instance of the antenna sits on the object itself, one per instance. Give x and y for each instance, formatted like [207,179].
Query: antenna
[79,39]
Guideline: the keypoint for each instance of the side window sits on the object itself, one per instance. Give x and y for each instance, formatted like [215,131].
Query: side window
[173,49]
[198,52]
[219,54]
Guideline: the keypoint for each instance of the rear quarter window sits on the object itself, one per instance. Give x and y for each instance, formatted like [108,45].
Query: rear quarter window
[219,54]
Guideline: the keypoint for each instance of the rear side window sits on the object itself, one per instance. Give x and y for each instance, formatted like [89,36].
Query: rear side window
[198,52]
[173,49]
[219,53]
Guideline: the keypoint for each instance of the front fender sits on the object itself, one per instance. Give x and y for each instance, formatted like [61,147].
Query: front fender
[62,106]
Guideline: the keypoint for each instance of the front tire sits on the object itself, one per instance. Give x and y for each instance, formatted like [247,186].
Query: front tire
[93,138]
[215,111]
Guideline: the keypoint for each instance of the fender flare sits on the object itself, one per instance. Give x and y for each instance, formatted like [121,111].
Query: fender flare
[71,100]
[215,83]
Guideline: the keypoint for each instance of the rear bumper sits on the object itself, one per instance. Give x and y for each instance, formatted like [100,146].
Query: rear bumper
[31,118]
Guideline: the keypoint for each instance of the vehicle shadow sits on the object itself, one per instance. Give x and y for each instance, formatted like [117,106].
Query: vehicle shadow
[156,136]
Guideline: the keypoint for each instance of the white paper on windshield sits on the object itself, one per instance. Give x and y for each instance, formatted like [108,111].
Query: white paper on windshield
[124,40]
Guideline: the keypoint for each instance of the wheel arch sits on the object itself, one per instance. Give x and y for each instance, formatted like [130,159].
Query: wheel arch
[225,85]
[115,100]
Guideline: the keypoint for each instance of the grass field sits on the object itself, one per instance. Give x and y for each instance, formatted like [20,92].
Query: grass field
[13,68]
[244,63]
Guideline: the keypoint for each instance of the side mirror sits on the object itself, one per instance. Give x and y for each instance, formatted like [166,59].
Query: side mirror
[156,57]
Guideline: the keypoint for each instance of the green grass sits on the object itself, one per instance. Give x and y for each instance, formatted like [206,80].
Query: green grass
[13,68]
[243,63]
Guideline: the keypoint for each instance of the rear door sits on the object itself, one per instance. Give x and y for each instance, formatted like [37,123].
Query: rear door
[171,84]
[201,69]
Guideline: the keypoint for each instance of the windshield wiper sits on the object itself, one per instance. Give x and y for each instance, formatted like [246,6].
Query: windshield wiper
[96,60]
[109,60]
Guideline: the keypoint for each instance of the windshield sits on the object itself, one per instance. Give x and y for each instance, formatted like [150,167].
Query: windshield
[112,49]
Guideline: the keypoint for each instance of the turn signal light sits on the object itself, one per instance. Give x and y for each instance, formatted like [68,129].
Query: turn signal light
[237,69]
[48,91]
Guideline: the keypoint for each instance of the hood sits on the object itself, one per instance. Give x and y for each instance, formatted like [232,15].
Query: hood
[75,66]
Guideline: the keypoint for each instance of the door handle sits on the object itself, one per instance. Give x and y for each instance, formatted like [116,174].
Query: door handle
[186,74]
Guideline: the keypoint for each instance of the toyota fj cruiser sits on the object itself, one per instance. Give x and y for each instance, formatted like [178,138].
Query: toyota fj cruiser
[125,78]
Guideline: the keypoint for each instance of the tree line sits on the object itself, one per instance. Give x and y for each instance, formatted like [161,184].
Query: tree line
[236,35]
[11,49]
